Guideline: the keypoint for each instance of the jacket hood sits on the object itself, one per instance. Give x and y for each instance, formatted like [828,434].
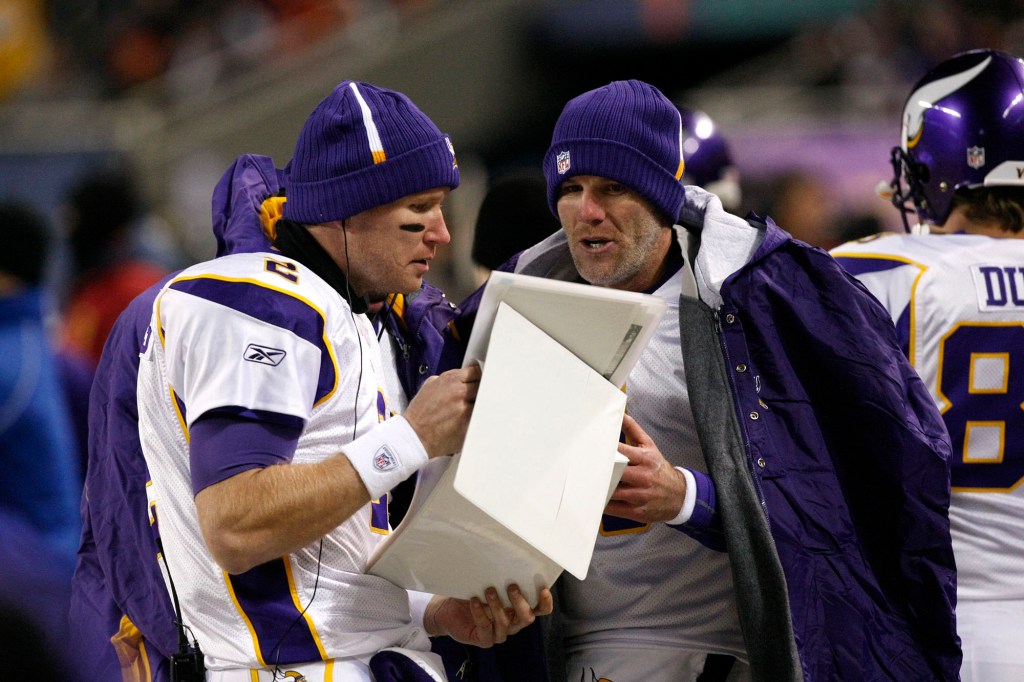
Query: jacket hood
[238,201]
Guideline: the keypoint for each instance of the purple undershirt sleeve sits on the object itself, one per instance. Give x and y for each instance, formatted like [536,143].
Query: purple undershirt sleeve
[221,446]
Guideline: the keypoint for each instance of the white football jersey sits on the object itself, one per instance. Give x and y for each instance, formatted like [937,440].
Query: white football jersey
[958,305]
[260,333]
[650,585]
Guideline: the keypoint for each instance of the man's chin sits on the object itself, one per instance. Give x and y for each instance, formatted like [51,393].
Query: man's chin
[377,301]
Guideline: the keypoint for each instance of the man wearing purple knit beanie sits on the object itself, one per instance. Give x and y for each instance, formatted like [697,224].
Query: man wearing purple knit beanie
[273,422]
[784,513]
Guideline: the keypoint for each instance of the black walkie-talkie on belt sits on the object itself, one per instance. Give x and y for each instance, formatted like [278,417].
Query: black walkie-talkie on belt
[187,665]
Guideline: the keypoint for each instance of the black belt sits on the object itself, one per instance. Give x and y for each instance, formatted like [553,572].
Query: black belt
[716,668]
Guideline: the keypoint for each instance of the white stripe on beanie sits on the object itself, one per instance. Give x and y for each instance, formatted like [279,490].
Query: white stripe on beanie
[372,136]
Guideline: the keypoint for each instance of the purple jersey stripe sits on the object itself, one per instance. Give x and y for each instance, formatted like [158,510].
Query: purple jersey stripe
[857,266]
[272,306]
[282,633]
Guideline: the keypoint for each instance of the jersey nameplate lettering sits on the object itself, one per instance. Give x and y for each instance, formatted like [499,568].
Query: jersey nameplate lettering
[999,287]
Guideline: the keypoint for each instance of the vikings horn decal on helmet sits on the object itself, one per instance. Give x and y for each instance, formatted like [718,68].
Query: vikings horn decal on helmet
[963,127]
[708,159]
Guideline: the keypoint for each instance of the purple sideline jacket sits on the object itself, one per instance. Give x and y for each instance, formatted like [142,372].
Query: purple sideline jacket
[833,501]
[117,573]
[854,485]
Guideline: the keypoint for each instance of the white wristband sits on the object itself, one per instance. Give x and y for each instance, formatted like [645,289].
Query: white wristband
[390,453]
[689,499]
[418,606]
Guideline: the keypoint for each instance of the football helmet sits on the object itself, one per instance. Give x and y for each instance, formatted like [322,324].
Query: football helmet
[963,127]
[707,160]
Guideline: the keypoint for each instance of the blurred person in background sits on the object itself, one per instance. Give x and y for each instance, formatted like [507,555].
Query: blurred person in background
[39,524]
[37,446]
[708,159]
[513,216]
[114,257]
[34,587]
[804,205]
[955,292]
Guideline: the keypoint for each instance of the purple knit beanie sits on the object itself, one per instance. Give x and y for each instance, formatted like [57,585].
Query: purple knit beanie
[625,131]
[362,147]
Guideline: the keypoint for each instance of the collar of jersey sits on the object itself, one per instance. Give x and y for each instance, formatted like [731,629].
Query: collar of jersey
[295,241]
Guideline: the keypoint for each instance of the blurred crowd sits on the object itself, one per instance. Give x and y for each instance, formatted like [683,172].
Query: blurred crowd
[51,338]
[112,46]
[891,42]
[109,47]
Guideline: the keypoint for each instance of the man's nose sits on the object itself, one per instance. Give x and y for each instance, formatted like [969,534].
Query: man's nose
[591,208]
[438,232]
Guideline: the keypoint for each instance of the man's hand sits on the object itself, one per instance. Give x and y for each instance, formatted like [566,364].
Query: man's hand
[440,411]
[483,624]
[651,489]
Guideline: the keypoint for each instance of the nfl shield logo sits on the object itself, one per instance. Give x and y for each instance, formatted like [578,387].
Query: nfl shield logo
[563,162]
[975,157]
[384,460]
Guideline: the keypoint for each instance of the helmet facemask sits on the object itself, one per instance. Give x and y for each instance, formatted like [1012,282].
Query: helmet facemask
[963,127]
[906,200]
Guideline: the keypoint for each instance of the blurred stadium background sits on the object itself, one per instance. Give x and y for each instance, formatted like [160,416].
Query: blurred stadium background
[808,93]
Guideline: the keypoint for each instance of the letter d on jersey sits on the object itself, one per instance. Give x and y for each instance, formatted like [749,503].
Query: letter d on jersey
[999,288]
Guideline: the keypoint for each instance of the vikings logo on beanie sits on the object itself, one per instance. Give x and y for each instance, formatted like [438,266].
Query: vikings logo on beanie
[626,131]
[362,147]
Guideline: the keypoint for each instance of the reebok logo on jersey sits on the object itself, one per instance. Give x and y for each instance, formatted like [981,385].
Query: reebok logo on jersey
[384,459]
[264,355]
